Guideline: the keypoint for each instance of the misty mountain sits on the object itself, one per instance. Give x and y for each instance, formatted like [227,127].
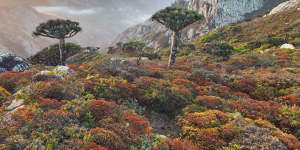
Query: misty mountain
[101,20]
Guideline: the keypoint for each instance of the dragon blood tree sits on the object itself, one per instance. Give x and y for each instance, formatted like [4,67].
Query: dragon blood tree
[176,19]
[58,29]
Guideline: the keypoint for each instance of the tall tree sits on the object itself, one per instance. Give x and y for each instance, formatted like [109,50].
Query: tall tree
[58,29]
[176,19]
[136,47]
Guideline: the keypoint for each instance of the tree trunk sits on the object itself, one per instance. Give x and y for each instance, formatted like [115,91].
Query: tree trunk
[174,46]
[61,50]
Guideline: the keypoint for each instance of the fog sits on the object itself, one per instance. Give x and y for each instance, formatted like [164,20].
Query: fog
[102,20]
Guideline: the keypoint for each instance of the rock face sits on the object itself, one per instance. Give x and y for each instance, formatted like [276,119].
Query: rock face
[284,6]
[216,12]
[11,62]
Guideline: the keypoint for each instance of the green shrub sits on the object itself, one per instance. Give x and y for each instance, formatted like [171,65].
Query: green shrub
[241,50]
[219,49]
[234,28]
[50,56]
[211,36]
[296,42]
[4,94]
[186,49]
[296,23]
[234,41]
[274,41]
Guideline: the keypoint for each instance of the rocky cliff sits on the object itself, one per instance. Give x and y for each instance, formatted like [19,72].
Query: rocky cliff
[216,12]
[284,6]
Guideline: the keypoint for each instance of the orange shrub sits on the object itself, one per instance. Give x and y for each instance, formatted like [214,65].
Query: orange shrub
[211,129]
[211,102]
[48,104]
[107,138]
[137,124]
[292,100]
[171,144]
[11,80]
[290,141]
[55,119]
[245,85]
[101,108]
[93,146]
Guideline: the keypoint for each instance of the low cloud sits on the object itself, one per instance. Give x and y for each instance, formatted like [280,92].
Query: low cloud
[65,10]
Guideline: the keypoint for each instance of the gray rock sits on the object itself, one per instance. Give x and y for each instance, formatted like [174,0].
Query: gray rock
[11,62]
[57,73]
[15,104]
[287,46]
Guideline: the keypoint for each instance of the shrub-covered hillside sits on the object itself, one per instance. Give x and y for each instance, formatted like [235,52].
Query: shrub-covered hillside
[233,89]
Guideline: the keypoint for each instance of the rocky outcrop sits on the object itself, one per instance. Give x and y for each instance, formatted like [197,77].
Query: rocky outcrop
[11,62]
[216,12]
[57,73]
[284,6]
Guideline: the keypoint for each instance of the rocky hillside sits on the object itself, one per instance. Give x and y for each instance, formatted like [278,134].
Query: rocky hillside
[234,88]
[216,12]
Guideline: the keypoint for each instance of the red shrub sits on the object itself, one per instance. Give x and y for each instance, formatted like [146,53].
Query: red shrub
[292,100]
[241,94]
[101,108]
[54,90]
[204,119]
[266,110]
[107,138]
[245,85]
[137,124]
[211,102]
[171,144]
[56,119]
[290,141]
[11,80]
[48,104]
[93,146]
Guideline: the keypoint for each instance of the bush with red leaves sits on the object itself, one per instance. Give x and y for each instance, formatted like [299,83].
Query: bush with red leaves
[101,108]
[48,104]
[107,138]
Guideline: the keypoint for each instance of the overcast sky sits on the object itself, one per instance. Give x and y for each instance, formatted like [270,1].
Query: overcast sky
[103,19]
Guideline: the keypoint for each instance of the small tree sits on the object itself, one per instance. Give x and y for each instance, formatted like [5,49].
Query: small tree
[136,47]
[176,19]
[58,29]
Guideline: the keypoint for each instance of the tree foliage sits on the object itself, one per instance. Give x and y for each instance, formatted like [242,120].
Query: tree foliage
[57,29]
[176,18]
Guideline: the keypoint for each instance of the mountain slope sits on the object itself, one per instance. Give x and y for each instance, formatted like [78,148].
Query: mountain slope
[216,12]
[234,88]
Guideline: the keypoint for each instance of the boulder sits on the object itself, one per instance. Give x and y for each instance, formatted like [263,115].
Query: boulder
[57,73]
[287,46]
[11,62]
[15,104]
